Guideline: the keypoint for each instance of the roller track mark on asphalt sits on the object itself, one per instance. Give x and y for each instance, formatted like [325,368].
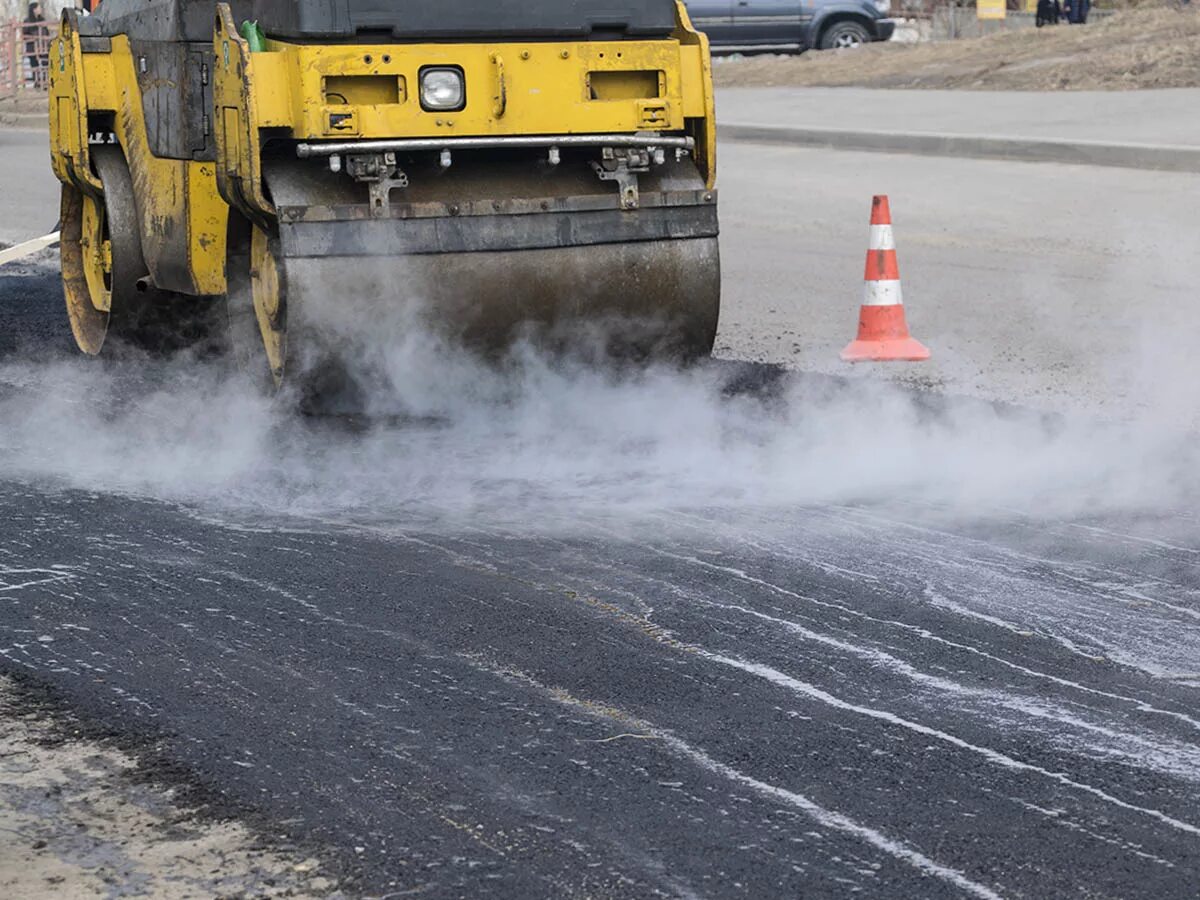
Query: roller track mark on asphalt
[268,586]
[824,817]
[941,601]
[1126,593]
[50,575]
[1134,538]
[841,823]
[925,634]
[1070,613]
[1178,758]
[99,644]
[936,598]
[515,846]
[989,753]
[1085,575]
[1052,634]
[1059,817]
[994,756]
[1079,614]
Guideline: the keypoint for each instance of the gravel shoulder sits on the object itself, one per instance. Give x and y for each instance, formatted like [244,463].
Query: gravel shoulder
[80,817]
[1136,49]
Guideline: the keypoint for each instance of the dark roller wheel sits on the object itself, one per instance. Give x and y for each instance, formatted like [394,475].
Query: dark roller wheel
[256,303]
[101,251]
[109,303]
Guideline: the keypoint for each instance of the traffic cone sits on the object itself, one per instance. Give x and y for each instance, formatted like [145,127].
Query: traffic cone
[882,332]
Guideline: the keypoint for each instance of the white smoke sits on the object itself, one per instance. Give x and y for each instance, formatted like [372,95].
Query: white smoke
[534,439]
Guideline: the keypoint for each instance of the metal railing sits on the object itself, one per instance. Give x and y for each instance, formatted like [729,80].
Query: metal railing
[25,56]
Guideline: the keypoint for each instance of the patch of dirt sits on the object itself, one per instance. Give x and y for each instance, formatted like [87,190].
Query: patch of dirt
[78,819]
[1147,47]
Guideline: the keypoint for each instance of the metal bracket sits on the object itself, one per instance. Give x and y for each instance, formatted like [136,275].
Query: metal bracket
[500,100]
[381,175]
[623,165]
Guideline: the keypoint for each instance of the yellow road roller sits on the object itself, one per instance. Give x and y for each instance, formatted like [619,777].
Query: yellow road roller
[327,176]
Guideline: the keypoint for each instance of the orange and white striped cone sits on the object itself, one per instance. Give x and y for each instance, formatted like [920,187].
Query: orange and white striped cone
[882,332]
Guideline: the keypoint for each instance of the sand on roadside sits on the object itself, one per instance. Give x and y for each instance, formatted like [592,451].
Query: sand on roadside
[77,820]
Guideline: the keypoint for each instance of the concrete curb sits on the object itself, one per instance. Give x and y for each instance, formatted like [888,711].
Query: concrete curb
[26,121]
[1165,158]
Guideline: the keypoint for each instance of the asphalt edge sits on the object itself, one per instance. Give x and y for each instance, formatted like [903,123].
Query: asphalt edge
[1163,158]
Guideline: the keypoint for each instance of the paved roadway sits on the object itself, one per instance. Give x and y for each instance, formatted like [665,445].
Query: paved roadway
[712,635]
[30,200]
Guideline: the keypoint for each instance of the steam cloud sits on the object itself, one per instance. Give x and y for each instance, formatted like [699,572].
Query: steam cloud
[544,442]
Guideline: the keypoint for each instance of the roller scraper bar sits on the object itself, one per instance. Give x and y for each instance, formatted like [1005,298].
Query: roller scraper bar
[305,151]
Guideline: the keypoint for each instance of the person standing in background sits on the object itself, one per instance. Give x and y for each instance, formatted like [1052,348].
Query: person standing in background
[1048,12]
[1077,11]
[36,33]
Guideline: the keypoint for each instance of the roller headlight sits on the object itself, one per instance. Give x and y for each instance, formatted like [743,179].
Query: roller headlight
[442,89]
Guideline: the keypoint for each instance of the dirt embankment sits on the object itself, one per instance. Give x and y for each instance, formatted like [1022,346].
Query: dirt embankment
[79,820]
[1148,47]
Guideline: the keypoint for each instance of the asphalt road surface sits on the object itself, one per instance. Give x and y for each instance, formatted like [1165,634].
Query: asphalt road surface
[30,199]
[582,647]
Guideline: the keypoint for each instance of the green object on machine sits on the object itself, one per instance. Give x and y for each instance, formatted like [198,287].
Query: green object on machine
[254,36]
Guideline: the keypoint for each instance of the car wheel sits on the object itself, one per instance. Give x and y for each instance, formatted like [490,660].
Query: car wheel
[844,36]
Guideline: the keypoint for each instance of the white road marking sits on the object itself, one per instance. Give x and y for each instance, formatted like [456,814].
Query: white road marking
[28,248]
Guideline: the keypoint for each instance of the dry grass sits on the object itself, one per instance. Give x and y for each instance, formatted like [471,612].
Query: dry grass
[1155,47]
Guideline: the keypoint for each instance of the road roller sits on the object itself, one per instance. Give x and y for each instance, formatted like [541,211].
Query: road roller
[327,177]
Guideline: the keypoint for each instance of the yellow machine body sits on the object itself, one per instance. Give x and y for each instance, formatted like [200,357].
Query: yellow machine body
[280,93]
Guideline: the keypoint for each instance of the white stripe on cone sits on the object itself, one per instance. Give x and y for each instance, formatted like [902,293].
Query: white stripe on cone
[882,293]
[882,238]
[21,251]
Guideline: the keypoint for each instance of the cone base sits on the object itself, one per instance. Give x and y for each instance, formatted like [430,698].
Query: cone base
[895,350]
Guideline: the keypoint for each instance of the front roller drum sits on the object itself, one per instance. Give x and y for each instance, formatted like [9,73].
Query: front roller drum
[256,303]
[327,324]
[653,299]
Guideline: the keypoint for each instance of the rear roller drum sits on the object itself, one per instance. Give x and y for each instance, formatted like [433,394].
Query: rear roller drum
[110,303]
[101,252]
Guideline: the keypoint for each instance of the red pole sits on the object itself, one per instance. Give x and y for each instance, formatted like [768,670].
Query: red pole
[12,66]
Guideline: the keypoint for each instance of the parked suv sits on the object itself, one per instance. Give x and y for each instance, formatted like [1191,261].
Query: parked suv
[791,24]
